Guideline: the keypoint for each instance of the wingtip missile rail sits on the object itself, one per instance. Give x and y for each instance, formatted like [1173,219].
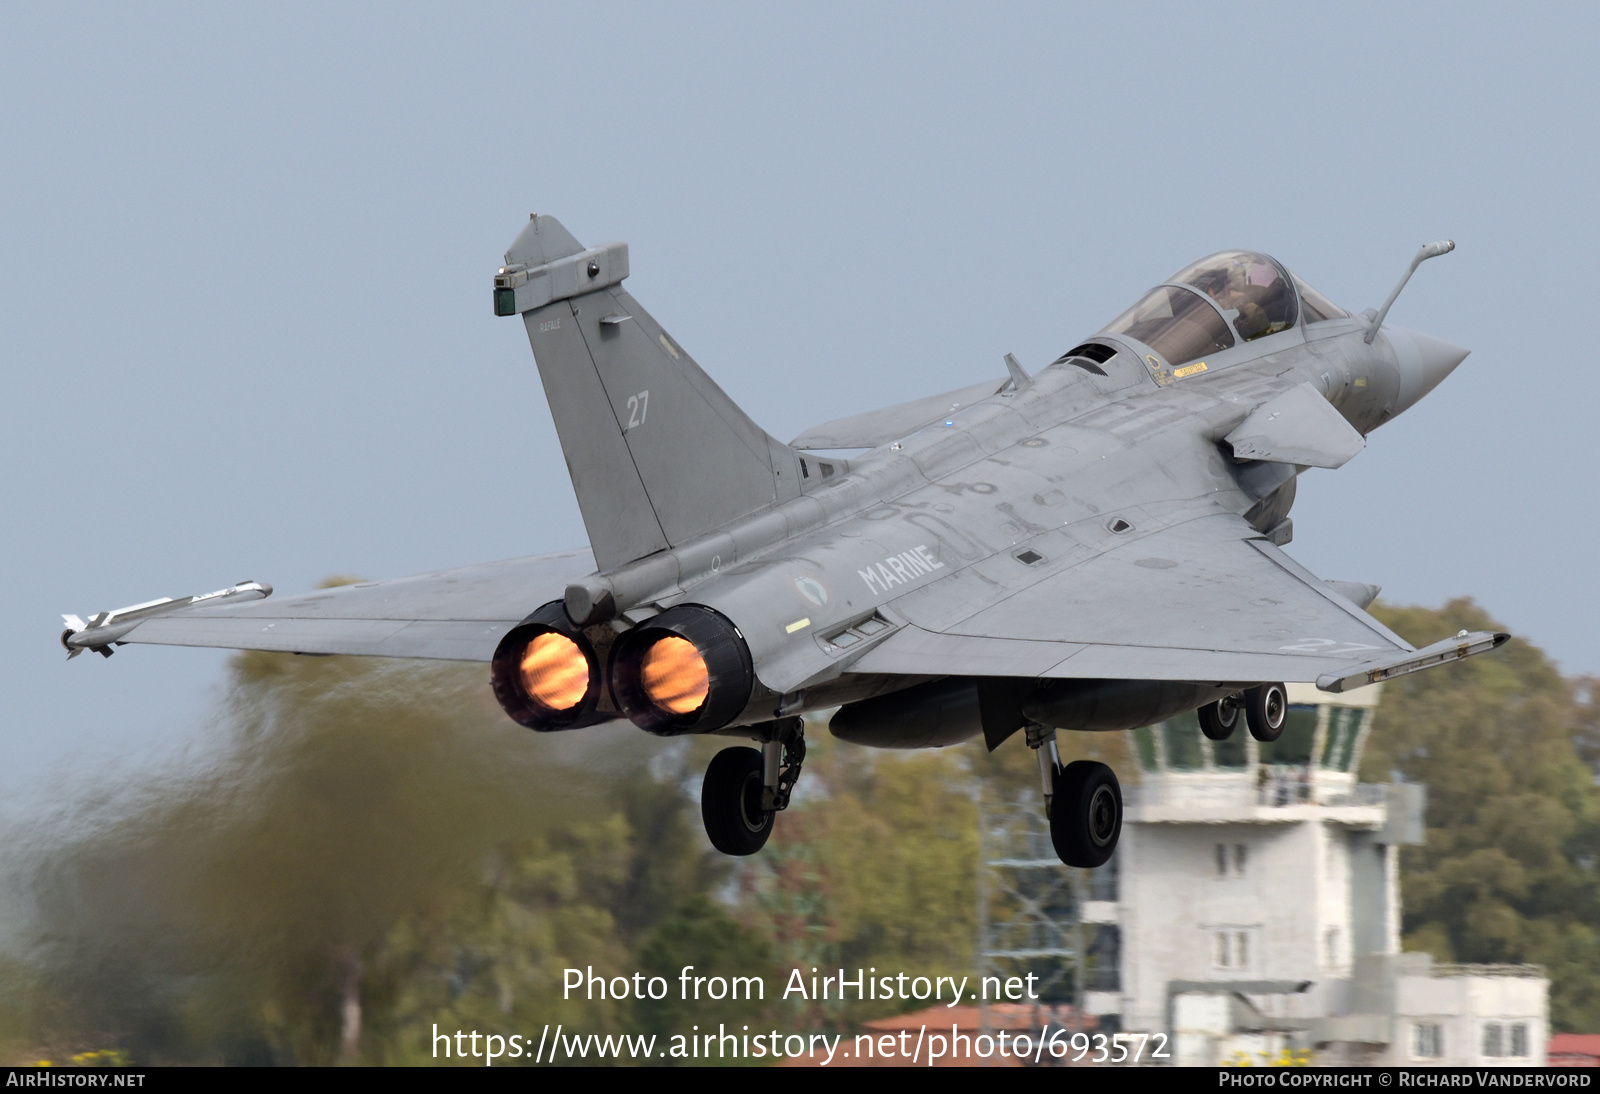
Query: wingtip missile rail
[103,630]
[1459,648]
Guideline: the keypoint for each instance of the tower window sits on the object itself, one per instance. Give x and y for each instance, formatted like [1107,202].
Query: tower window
[1230,949]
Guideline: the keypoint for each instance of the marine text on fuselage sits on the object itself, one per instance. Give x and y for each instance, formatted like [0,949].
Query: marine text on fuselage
[899,569]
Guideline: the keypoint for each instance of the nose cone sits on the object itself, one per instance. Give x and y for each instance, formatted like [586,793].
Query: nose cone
[1424,362]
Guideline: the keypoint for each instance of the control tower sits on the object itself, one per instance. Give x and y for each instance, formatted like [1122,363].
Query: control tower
[1258,908]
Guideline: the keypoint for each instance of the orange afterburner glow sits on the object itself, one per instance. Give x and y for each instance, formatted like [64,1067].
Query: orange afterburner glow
[555,673]
[674,675]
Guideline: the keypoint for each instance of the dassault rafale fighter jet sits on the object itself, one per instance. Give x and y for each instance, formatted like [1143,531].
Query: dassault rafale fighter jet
[1096,546]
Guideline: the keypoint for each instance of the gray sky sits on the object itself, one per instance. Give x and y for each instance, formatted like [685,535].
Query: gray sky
[245,301]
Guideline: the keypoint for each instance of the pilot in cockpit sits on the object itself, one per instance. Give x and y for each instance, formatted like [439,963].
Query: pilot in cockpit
[1249,285]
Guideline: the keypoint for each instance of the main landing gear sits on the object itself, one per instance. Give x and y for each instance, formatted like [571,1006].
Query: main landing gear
[746,788]
[1083,801]
[1265,709]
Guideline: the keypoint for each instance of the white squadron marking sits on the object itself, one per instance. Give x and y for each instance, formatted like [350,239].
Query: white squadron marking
[899,569]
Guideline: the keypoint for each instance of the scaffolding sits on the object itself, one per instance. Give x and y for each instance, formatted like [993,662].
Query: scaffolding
[1028,906]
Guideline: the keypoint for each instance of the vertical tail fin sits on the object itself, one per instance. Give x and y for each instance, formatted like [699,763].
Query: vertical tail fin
[658,453]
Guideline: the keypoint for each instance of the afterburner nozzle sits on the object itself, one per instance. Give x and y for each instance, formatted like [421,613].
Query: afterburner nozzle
[686,670]
[546,673]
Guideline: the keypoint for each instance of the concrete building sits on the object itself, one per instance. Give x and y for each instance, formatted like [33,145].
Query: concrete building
[1257,909]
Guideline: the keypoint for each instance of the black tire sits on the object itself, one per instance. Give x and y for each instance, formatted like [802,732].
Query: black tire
[1085,813]
[1266,708]
[730,802]
[1218,720]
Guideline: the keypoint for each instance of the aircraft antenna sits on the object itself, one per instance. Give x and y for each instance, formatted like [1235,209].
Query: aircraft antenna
[1428,250]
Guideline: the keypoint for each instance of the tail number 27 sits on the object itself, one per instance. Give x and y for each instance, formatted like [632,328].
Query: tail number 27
[638,407]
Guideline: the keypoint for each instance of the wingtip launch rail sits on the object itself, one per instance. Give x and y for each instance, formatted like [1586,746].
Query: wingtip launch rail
[102,630]
[1459,648]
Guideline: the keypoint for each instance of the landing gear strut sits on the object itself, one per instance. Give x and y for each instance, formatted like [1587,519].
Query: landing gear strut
[1082,800]
[745,789]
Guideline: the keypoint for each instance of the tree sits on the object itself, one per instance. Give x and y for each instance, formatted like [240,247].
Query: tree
[700,934]
[1507,872]
[374,846]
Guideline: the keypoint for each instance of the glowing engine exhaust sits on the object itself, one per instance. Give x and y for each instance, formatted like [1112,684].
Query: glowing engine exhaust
[685,671]
[546,673]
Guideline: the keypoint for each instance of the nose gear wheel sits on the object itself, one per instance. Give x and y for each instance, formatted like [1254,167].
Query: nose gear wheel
[1266,708]
[1218,720]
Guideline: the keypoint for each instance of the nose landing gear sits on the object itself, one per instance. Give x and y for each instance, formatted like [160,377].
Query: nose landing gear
[745,789]
[1265,708]
[1083,801]
[1218,720]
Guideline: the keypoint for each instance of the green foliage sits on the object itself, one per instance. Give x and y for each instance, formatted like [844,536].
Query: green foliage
[897,847]
[1507,873]
[375,849]
[703,937]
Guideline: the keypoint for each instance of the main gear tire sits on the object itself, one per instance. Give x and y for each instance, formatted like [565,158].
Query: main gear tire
[1266,709]
[1085,813]
[730,802]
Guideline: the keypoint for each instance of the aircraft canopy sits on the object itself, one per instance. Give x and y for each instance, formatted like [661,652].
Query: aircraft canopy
[1251,286]
[1176,323]
[1255,295]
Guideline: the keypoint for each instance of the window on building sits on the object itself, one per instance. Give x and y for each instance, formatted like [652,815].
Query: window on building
[1232,864]
[1292,749]
[1230,949]
[1180,745]
[1502,1039]
[1427,1040]
[1344,727]
[1330,946]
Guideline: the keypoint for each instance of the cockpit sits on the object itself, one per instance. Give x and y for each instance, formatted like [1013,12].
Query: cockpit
[1219,302]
